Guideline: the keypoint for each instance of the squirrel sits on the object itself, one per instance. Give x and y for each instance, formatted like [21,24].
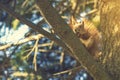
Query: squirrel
[88,35]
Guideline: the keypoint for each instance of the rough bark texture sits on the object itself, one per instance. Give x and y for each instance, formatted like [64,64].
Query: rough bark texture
[110,27]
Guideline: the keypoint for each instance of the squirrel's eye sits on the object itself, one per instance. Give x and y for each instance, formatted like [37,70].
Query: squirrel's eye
[76,30]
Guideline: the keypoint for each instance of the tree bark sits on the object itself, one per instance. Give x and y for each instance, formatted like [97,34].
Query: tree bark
[110,28]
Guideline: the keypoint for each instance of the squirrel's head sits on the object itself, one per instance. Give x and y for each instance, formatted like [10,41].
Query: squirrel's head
[77,27]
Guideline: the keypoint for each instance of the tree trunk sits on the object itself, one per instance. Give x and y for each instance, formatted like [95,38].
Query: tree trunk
[110,28]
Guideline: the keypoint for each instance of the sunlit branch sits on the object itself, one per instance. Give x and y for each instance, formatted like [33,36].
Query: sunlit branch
[70,70]
[21,41]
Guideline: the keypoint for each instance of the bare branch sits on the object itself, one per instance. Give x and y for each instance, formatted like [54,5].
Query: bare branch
[21,41]
[35,54]
[70,71]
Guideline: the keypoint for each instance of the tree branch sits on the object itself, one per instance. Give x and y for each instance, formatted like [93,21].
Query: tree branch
[66,34]
[21,41]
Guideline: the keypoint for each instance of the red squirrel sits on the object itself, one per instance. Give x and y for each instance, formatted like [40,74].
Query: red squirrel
[88,35]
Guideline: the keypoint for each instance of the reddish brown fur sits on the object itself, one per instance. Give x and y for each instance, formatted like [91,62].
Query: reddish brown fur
[89,36]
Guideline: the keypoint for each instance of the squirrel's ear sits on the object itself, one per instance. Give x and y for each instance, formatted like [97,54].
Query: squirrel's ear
[82,24]
[73,20]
